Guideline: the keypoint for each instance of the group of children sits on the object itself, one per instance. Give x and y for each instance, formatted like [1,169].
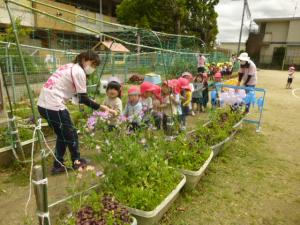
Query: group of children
[225,69]
[157,106]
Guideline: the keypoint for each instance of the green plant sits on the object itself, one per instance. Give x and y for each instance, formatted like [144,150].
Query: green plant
[5,137]
[99,209]
[185,152]
[220,126]
[136,173]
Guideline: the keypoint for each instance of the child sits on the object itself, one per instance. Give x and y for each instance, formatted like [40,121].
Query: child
[218,77]
[291,72]
[205,97]
[134,109]
[114,103]
[197,99]
[156,102]
[147,90]
[190,78]
[186,99]
[168,105]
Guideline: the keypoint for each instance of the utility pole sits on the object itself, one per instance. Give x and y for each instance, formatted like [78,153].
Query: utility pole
[242,24]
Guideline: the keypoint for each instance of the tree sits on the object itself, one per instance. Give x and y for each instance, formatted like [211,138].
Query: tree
[9,34]
[197,17]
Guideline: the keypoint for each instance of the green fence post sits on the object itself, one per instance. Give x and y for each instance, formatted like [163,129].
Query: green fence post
[45,216]
[12,79]
[126,68]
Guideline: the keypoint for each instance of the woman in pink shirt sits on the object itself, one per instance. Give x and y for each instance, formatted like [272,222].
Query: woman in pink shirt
[65,82]
[201,63]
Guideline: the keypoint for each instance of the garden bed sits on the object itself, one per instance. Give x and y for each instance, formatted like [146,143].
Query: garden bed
[218,147]
[152,217]
[193,177]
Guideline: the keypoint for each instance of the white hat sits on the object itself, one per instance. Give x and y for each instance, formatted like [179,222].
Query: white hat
[292,68]
[244,57]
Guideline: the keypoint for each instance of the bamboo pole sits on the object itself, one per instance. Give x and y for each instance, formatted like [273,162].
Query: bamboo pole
[42,208]
[43,156]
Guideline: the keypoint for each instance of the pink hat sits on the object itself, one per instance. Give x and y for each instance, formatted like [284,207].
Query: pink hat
[147,86]
[134,90]
[188,75]
[218,75]
[184,83]
[115,79]
[173,84]
[292,68]
[157,91]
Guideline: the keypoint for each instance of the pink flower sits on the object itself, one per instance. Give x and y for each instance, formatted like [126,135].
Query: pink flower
[122,118]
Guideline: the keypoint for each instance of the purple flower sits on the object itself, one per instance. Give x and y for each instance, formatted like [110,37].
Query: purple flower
[91,122]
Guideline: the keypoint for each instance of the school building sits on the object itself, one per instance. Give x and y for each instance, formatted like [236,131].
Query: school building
[276,43]
[51,33]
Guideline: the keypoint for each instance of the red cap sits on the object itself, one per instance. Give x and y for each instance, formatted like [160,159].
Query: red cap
[157,91]
[134,90]
[184,83]
[218,75]
[147,86]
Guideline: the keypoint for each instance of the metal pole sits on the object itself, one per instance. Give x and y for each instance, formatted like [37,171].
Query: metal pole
[242,24]
[101,18]
[12,79]
[46,220]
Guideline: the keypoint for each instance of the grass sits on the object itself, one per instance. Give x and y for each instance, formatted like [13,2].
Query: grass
[242,172]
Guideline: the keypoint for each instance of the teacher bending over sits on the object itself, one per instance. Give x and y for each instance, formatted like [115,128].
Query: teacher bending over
[65,82]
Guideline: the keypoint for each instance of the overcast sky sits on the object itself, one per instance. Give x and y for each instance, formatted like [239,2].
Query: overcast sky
[230,14]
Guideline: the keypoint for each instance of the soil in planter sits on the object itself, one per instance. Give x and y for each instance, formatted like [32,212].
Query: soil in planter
[99,210]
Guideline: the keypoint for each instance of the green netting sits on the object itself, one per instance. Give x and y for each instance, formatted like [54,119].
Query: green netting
[46,49]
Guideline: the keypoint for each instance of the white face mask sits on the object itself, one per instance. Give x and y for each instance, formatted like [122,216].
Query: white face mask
[89,70]
[243,62]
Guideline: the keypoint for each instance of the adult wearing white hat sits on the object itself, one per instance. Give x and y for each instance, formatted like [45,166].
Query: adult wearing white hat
[247,73]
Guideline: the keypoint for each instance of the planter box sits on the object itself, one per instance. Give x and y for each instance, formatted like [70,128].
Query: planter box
[193,177]
[218,147]
[152,217]
[134,221]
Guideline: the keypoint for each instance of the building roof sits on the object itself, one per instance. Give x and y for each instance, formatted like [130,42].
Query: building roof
[113,47]
[275,19]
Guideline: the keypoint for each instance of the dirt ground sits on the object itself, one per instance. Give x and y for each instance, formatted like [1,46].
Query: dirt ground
[255,180]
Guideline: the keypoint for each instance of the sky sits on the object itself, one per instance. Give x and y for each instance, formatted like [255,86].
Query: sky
[230,14]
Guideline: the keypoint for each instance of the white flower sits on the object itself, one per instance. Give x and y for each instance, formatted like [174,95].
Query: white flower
[90,168]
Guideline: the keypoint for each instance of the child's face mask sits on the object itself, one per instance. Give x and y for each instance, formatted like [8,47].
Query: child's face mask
[89,69]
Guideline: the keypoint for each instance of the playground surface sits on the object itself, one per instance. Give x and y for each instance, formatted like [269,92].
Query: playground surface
[255,180]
